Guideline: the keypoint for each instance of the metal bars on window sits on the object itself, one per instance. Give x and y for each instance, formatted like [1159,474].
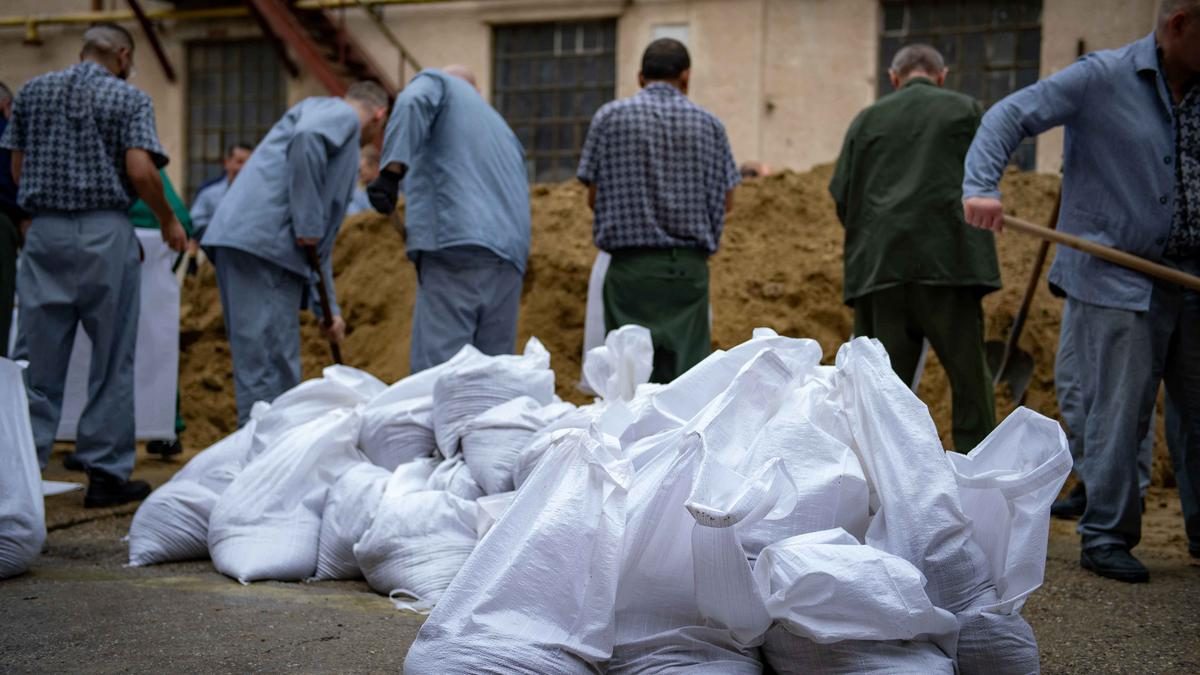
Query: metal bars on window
[548,80]
[235,93]
[993,47]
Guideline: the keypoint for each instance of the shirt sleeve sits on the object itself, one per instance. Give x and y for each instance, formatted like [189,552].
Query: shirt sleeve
[593,150]
[843,172]
[726,165]
[140,132]
[1039,107]
[307,160]
[412,118]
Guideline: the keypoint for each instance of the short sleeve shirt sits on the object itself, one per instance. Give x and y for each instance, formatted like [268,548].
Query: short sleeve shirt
[74,126]
[661,166]
[1184,240]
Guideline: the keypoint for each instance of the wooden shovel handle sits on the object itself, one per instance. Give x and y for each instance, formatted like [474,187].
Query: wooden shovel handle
[314,260]
[1108,253]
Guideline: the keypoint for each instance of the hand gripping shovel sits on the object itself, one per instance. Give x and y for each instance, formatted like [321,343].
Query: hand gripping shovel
[326,311]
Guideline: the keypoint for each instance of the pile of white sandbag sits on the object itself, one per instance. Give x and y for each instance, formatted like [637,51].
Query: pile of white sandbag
[22,511]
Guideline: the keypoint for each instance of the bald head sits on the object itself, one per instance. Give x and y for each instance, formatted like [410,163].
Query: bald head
[461,72]
[111,46]
[1178,35]
[1169,8]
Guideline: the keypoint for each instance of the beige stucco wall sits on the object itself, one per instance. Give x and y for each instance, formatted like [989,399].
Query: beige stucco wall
[785,76]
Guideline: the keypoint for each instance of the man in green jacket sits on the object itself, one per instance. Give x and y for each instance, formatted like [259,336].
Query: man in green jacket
[913,269]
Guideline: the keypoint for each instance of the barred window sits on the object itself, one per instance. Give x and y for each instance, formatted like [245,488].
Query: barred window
[548,81]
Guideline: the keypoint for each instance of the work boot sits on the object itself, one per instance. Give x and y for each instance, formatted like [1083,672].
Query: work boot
[165,449]
[72,463]
[107,490]
[1115,562]
[1070,507]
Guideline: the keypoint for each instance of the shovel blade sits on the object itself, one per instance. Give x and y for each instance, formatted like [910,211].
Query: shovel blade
[1017,373]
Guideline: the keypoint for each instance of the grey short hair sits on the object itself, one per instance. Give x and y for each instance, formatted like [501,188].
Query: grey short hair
[918,57]
[1169,7]
[106,38]
[369,93]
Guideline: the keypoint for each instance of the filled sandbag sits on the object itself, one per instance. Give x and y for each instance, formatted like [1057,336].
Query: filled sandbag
[614,370]
[454,476]
[339,387]
[553,560]
[397,432]
[267,523]
[22,509]
[492,442]
[463,393]
[349,510]
[417,543]
[172,523]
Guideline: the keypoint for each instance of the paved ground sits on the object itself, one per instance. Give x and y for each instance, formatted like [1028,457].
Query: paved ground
[80,610]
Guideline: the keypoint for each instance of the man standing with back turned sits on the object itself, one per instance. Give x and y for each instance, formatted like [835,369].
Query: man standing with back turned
[1131,180]
[466,214]
[913,270]
[84,143]
[660,177]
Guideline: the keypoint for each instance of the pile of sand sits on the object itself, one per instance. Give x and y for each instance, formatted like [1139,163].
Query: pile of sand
[780,265]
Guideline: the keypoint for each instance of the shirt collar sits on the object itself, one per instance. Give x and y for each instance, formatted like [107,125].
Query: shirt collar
[661,89]
[924,81]
[1145,54]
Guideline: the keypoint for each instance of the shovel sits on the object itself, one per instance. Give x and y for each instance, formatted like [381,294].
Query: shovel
[1008,362]
[326,311]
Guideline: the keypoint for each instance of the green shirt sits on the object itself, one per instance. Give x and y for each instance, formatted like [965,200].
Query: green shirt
[141,215]
[898,189]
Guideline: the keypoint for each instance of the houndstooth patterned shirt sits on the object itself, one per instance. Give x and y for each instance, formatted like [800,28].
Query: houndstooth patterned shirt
[74,126]
[1184,240]
[661,166]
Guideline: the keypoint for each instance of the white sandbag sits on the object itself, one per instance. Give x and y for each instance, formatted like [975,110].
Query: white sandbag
[996,644]
[492,442]
[417,543]
[614,371]
[919,515]
[789,654]
[491,509]
[394,433]
[22,509]
[593,316]
[454,476]
[339,387]
[267,523]
[349,510]
[537,595]
[462,394]
[172,523]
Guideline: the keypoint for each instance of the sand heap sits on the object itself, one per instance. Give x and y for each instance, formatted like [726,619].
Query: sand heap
[780,265]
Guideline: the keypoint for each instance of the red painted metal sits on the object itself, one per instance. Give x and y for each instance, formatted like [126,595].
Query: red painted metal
[152,36]
[282,21]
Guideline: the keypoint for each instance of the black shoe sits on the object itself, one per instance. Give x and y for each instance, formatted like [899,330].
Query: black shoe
[72,463]
[1070,507]
[165,449]
[1115,562]
[107,490]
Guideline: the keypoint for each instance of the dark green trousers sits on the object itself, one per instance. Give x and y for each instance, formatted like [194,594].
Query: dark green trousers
[951,318]
[8,277]
[665,290]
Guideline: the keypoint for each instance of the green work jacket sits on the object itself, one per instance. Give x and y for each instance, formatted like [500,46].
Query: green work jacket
[141,215]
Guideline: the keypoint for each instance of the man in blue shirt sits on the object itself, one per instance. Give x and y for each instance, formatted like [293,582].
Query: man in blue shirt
[12,218]
[467,217]
[209,196]
[83,143]
[660,176]
[368,171]
[291,194]
[1131,179]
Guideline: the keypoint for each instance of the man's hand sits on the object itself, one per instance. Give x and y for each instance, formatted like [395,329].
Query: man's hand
[986,213]
[174,235]
[383,191]
[335,332]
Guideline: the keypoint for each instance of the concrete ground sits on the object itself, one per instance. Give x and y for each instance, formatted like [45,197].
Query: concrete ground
[81,610]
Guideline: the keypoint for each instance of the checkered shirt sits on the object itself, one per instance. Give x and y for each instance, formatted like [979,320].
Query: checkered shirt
[1184,240]
[74,126]
[661,166]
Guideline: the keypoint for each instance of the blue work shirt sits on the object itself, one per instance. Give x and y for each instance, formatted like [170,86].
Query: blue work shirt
[205,205]
[1119,164]
[296,184]
[466,183]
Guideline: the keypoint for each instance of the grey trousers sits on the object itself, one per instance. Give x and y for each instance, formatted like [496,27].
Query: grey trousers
[1123,357]
[1068,386]
[465,296]
[261,304]
[82,269]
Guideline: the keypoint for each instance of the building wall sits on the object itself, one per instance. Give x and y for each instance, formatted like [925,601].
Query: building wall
[785,76]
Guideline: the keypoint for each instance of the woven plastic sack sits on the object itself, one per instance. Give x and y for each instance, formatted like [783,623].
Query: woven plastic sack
[552,560]
[267,523]
[394,433]
[339,387]
[22,509]
[172,523]
[349,510]
[493,441]
[462,394]
[615,370]
[454,476]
